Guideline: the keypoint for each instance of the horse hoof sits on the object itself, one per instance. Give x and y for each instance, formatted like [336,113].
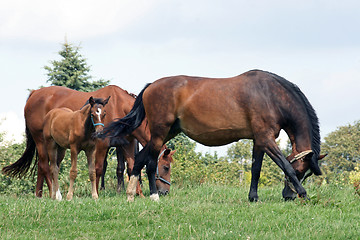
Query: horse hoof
[155,197]
[69,197]
[289,198]
[253,199]
[58,195]
[130,198]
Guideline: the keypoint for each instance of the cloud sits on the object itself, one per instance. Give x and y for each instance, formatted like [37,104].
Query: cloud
[12,126]
[50,20]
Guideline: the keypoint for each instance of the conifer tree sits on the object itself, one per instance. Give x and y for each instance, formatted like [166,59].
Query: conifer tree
[72,71]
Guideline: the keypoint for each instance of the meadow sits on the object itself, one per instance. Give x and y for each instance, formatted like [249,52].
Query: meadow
[199,212]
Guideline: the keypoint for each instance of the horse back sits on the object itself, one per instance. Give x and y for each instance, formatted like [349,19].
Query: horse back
[41,101]
[232,108]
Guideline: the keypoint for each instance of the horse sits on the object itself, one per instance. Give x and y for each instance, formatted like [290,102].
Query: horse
[164,163]
[66,129]
[217,111]
[41,101]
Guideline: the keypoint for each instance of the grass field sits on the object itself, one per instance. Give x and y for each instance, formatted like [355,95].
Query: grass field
[202,212]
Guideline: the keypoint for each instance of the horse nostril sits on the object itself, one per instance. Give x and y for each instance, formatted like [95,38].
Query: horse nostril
[163,192]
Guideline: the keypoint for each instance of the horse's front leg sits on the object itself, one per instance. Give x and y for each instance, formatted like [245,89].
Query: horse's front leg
[73,171]
[257,160]
[90,154]
[129,156]
[100,155]
[275,154]
[144,157]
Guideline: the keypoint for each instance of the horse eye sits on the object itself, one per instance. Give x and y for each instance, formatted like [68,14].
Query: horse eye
[166,168]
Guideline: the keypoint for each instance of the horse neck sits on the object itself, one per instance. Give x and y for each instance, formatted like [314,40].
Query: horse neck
[85,118]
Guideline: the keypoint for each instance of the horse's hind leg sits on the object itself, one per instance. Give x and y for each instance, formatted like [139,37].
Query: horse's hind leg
[102,186]
[90,154]
[120,169]
[54,169]
[44,172]
[73,172]
[258,156]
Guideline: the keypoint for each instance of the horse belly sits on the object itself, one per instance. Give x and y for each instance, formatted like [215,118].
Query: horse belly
[60,131]
[216,130]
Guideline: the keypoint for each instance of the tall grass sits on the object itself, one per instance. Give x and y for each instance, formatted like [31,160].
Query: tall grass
[201,212]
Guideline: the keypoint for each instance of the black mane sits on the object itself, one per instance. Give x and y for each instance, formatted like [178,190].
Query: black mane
[313,119]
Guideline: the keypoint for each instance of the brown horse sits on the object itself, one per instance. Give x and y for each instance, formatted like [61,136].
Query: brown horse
[64,129]
[41,101]
[254,105]
[163,175]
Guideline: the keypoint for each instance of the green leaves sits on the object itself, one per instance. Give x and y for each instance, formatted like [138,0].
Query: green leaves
[72,71]
[343,148]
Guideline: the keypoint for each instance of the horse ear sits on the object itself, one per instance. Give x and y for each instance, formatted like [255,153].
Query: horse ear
[91,101]
[172,152]
[106,101]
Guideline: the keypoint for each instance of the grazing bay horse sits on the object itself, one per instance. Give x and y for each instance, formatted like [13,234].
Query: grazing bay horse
[217,111]
[163,181]
[41,101]
[65,129]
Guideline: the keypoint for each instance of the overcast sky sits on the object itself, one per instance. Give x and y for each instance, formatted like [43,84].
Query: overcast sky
[315,44]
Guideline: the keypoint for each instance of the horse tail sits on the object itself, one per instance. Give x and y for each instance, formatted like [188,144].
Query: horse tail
[119,128]
[22,166]
[312,118]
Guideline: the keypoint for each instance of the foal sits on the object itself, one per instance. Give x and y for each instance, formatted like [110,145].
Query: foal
[65,129]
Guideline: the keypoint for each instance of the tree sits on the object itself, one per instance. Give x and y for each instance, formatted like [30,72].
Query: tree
[187,167]
[241,152]
[343,148]
[72,71]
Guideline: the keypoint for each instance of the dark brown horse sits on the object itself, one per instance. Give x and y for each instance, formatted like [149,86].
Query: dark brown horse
[41,101]
[254,105]
[66,129]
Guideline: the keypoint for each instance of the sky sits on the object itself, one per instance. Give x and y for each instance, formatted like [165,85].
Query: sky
[314,44]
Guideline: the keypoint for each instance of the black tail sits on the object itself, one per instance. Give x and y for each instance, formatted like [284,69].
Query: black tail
[22,166]
[119,128]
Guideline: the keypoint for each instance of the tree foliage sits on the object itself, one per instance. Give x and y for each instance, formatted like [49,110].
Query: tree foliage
[343,148]
[241,152]
[72,71]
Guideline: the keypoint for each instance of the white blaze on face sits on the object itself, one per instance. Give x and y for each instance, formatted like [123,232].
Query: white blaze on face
[98,112]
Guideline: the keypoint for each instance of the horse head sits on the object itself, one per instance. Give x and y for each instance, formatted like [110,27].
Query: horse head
[97,112]
[163,170]
[302,166]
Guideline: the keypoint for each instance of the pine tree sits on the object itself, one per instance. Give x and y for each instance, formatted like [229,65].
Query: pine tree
[72,71]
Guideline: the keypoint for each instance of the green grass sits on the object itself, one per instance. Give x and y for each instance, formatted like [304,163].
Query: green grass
[202,212]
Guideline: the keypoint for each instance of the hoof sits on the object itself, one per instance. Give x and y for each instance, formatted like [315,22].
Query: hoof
[289,198]
[253,199]
[58,195]
[155,197]
[69,197]
[130,198]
